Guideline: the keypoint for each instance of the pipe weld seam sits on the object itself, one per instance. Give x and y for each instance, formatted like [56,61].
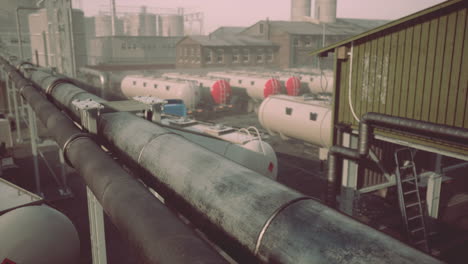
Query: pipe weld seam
[54,84]
[273,216]
[149,141]
[68,143]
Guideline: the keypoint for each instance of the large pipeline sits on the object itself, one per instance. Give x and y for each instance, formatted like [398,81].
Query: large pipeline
[273,222]
[366,126]
[156,233]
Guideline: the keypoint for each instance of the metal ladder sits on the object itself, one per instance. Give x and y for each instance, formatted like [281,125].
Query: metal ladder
[409,198]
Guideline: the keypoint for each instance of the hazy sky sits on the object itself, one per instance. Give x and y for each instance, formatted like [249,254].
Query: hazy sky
[247,12]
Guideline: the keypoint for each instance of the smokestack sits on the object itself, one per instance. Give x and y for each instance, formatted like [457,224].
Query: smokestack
[113,17]
[300,9]
[325,11]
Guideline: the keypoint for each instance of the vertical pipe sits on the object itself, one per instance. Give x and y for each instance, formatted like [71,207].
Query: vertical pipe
[18,32]
[72,40]
[46,53]
[113,16]
[15,108]
[8,92]
[33,138]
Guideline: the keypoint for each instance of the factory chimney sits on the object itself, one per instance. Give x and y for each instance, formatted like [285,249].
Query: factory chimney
[300,9]
[325,11]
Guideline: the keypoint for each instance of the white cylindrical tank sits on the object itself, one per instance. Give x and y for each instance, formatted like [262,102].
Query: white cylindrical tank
[220,91]
[325,11]
[298,118]
[290,82]
[300,9]
[257,87]
[172,25]
[321,83]
[162,88]
[38,235]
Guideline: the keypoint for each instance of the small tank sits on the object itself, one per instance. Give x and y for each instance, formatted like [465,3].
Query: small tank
[162,88]
[38,235]
[214,90]
[297,117]
[257,87]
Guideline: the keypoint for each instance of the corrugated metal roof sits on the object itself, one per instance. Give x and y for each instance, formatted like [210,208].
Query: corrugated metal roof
[231,41]
[390,25]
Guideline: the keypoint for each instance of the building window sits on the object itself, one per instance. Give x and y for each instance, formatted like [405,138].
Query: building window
[289,110]
[261,28]
[307,43]
[235,55]
[185,52]
[239,81]
[252,83]
[245,55]
[259,55]
[134,82]
[155,86]
[296,42]
[269,55]
[168,87]
[220,56]
[208,56]
[124,46]
[313,116]
[144,84]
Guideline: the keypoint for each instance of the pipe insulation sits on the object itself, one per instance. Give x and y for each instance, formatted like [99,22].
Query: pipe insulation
[156,233]
[273,222]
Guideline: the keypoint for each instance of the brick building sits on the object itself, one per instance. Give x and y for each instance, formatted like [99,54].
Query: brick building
[226,51]
[297,39]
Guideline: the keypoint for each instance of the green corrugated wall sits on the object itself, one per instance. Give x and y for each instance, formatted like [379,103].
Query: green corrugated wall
[417,69]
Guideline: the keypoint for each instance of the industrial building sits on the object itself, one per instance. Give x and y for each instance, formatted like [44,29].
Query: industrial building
[9,41]
[132,50]
[294,39]
[228,51]
[55,42]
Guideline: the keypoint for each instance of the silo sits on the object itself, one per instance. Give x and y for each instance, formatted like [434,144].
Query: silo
[172,25]
[103,25]
[300,9]
[149,21]
[325,11]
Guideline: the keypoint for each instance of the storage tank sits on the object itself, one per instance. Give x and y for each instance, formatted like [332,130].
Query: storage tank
[290,82]
[325,11]
[162,88]
[257,87]
[246,150]
[172,25]
[38,235]
[103,26]
[316,83]
[214,90]
[300,118]
[300,9]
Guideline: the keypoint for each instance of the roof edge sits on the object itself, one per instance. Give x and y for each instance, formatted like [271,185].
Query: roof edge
[392,24]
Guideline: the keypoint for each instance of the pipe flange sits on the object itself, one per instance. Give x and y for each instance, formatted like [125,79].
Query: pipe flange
[69,142]
[50,88]
[273,216]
